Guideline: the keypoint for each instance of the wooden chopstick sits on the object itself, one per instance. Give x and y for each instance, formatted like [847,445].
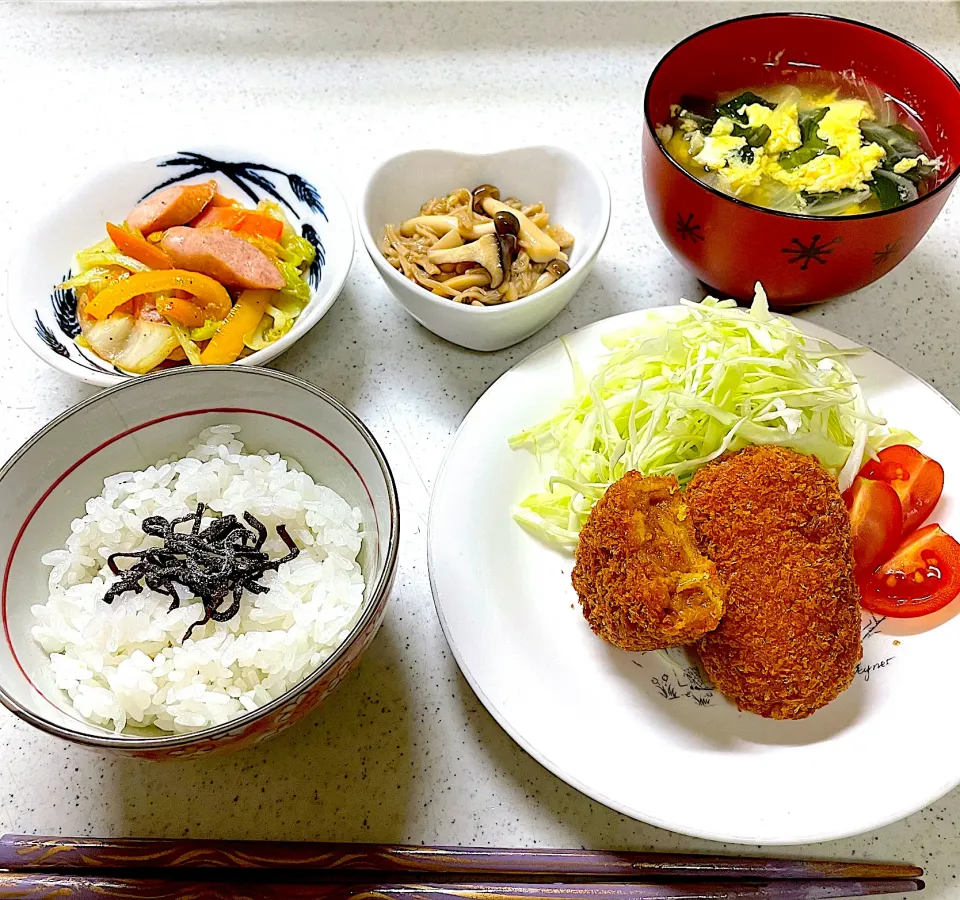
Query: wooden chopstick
[99,887]
[30,853]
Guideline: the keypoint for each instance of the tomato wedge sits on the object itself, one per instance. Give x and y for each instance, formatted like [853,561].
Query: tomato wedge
[917,479]
[922,576]
[875,522]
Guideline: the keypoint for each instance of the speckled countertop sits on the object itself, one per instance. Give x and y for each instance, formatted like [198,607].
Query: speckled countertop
[403,751]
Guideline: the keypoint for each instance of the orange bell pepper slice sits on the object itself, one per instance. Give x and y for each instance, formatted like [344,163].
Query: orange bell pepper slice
[240,221]
[210,295]
[137,247]
[226,345]
[183,311]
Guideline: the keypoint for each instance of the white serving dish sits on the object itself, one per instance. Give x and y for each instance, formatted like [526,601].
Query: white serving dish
[573,190]
[646,735]
[45,318]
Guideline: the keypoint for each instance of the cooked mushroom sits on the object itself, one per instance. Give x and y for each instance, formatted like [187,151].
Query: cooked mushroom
[481,193]
[507,226]
[444,225]
[472,248]
[486,251]
[506,222]
[540,247]
[439,224]
[476,278]
[451,239]
[556,268]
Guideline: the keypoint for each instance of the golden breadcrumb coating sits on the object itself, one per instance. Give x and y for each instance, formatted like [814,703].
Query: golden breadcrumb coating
[775,525]
[643,584]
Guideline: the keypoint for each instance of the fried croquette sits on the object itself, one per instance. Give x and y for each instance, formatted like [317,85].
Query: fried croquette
[643,584]
[775,525]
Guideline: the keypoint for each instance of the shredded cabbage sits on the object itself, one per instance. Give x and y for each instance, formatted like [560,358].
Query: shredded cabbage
[676,393]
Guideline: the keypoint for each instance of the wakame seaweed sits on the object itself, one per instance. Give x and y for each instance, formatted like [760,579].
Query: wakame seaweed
[824,198]
[755,138]
[892,189]
[898,141]
[812,145]
[705,115]
[885,191]
[731,109]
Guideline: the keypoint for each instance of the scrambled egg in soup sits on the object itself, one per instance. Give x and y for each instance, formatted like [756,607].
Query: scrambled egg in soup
[818,154]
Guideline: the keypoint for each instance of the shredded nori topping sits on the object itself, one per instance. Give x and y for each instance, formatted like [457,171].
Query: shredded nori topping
[225,558]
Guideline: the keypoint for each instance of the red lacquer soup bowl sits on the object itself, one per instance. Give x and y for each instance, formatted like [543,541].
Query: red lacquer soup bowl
[730,244]
[46,483]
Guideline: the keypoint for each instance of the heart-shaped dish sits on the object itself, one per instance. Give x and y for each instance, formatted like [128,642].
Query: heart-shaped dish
[573,189]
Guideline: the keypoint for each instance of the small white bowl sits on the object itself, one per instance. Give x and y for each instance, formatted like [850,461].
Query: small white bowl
[46,318]
[44,486]
[572,189]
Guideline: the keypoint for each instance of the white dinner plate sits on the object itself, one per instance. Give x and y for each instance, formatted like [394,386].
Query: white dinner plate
[646,736]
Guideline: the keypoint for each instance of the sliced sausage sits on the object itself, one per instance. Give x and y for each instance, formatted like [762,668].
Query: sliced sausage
[175,205]
[221,255]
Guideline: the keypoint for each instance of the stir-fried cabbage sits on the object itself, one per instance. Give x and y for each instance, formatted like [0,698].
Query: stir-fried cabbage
[277,320]
[206,331]
[105,253]
[102,264]
[293,256]
[676,393]
[191,350]
[96,267]
[96,278]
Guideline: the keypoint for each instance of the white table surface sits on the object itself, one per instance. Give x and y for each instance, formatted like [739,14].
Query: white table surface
[403,751]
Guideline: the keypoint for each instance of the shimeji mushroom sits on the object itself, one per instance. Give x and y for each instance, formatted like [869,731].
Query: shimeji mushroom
[481,193]
[451,239]
[444,225]
[439,224]
[555,269]
[486,251]
[540,247]
[494,252]
[478,278]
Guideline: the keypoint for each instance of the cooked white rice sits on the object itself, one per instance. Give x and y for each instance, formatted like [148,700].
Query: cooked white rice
[125,663]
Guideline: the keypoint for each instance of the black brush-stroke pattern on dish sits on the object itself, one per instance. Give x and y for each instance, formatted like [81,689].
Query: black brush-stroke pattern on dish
[246,176]
[64,303]
[320,258]
[49,338]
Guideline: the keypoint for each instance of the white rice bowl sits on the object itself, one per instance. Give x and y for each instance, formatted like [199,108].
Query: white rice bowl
[126,665]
